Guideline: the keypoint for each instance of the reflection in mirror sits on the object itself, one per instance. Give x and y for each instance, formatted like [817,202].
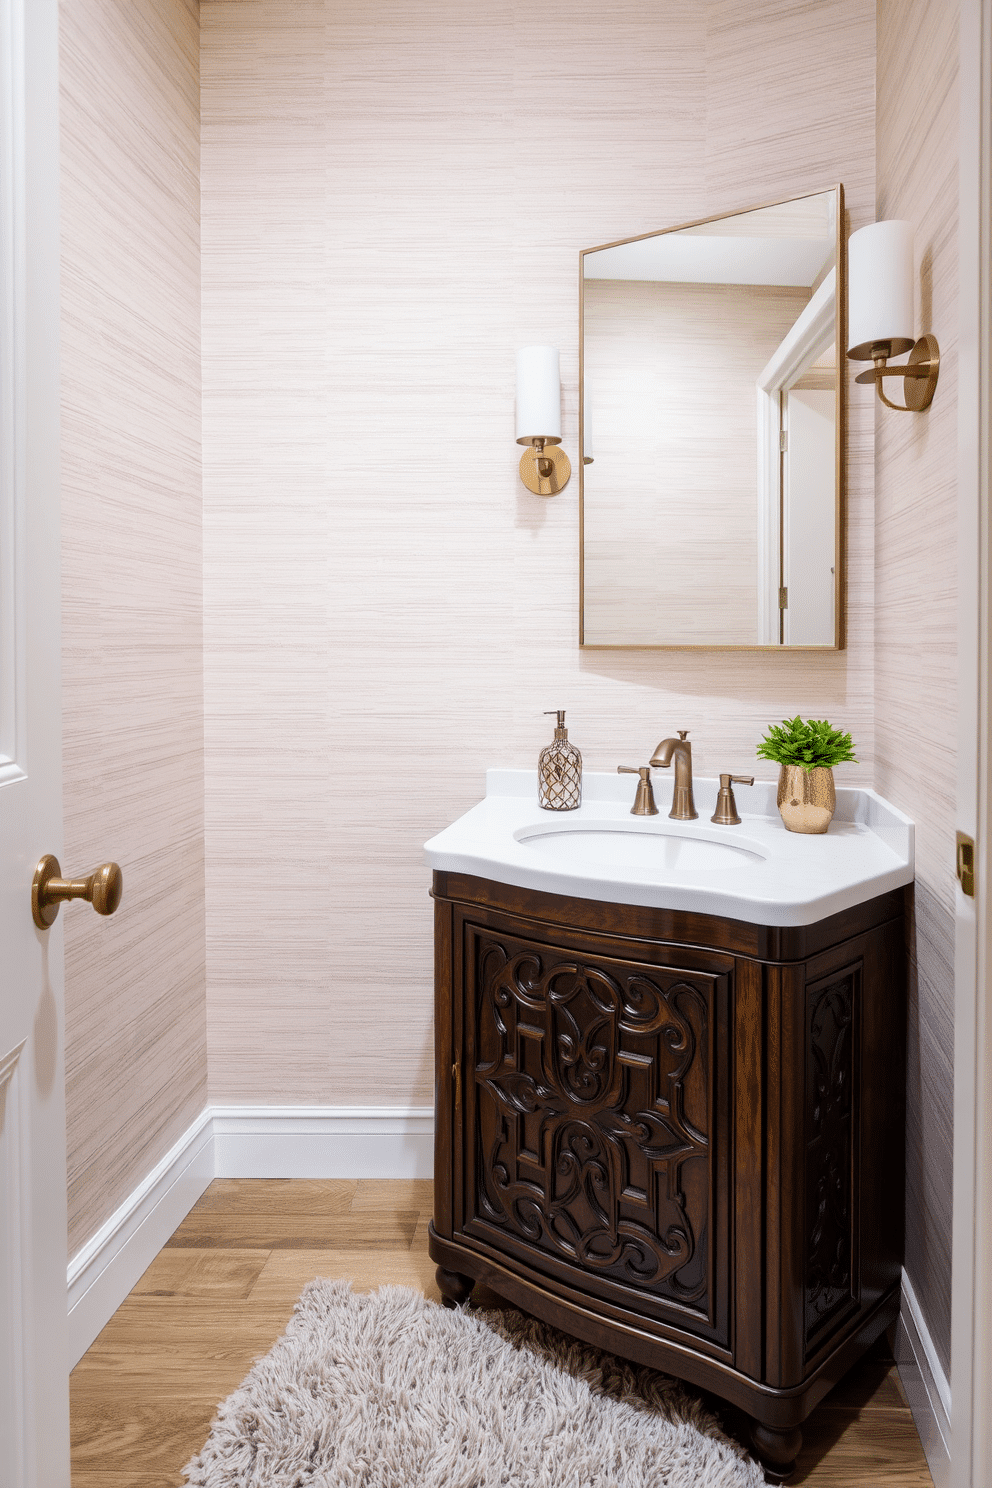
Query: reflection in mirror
[711,493]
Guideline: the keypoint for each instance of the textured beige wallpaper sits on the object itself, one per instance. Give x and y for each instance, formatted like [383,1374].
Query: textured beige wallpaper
[916,605]
[132,587]
[394,199]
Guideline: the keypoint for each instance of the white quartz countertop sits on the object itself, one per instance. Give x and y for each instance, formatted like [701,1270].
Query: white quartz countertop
[600,851]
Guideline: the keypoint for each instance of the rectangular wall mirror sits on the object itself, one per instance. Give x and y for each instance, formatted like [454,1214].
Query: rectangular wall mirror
[711,474]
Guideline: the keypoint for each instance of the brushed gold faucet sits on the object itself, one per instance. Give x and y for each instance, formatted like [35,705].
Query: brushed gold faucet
[683,806]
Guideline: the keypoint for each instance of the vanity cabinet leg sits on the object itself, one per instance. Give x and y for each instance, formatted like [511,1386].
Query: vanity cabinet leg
[455,1288]
[776,1448]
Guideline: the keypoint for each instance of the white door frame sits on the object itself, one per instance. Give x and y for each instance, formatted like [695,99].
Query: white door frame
[34,1376]
[971,1299]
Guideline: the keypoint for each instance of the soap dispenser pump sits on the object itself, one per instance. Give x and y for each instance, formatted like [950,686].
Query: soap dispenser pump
[559,771]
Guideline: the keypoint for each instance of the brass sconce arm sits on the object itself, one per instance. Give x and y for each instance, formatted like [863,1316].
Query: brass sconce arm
[919,374]
[545,465]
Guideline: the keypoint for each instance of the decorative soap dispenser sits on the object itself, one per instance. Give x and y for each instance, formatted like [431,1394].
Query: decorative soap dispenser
[559,770]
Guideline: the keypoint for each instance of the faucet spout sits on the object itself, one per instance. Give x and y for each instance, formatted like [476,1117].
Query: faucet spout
[683,806]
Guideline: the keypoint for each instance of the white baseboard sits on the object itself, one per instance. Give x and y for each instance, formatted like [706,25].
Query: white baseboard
[926,1385]
[108,1266]
[323,1141]
[237,1142]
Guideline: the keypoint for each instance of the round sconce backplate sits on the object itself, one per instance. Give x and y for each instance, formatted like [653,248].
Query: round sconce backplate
[558,475]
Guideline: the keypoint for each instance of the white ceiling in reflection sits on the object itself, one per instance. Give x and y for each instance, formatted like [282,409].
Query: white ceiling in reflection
[699,259]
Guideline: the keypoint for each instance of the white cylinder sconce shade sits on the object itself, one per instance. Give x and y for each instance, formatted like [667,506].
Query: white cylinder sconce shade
[538,395]
[880,289]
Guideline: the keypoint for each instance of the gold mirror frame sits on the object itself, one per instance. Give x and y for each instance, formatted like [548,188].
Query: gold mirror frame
[840,441]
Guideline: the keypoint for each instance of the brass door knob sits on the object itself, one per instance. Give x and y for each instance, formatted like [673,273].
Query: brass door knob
[103,889]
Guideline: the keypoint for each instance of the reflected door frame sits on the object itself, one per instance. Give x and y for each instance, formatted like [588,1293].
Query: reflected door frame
[812,334]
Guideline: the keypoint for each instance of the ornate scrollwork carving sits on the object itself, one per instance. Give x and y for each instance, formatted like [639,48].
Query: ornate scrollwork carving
[584,1135]
[829,1086]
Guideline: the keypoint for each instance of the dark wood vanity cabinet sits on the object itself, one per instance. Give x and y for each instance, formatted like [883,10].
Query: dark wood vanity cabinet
[675,1136]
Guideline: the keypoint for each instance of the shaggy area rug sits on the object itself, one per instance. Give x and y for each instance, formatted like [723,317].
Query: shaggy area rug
[389,1390]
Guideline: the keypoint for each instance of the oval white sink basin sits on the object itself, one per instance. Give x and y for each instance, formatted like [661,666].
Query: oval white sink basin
[599,847]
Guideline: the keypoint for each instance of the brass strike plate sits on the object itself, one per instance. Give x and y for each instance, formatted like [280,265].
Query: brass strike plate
[965,866]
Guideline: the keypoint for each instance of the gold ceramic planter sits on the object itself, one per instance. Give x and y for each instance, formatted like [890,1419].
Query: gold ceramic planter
[806,798]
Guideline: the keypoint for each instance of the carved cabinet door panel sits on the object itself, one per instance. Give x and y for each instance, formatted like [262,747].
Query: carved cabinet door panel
[596,1098]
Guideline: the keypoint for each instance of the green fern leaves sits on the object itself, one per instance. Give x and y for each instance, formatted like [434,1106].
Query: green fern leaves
[810,742]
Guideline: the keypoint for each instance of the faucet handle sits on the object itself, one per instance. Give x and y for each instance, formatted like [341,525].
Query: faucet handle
[725,814]
[682,733]
[644,799]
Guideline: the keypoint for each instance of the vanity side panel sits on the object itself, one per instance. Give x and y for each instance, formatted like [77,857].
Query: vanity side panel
[850,1015]
[831,1114]
[749,1238]
[444,1059]
[784,1073]
[883,1114]
[880,1098]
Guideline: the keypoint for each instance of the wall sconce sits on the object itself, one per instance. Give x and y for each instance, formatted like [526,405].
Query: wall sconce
[544,469]
[880,313]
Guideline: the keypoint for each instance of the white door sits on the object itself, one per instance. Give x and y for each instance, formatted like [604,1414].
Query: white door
[809,515]
[34,1385]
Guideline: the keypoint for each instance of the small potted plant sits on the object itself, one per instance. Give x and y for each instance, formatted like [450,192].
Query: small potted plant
[806,750]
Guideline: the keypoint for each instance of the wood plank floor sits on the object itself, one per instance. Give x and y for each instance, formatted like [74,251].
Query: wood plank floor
[223,1288]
